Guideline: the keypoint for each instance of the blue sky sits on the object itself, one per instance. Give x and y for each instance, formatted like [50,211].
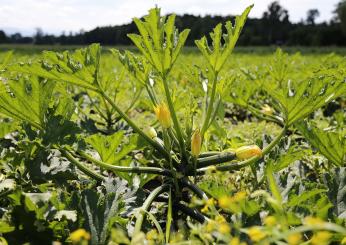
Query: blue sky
[55,16]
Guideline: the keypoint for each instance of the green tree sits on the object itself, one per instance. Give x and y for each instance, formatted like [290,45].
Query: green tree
[276,23]
[312,14]
[340,12]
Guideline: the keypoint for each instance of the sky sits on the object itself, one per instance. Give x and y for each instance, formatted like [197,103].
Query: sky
[55,16]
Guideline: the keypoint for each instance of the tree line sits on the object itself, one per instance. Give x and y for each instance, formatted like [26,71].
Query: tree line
[273,28]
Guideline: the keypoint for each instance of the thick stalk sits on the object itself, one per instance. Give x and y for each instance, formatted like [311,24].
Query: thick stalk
[210,105]
[214,113]
[193,213]
[185,182]
[239,165]
[138,170]
[145,207]
[81,167]
[167,143]
[156,145]
[194,188]
[176,123]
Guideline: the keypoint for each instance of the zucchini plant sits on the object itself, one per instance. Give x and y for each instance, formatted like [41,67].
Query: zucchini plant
[167,162]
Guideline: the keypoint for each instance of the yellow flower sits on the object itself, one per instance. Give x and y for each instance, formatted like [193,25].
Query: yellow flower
[209,202]
[152,235]
[210,225]
[313,221]
[196,143]
[246,152]
[163,115]
[266,109]
[225,201]
[239,196]
[220,219]
[79,235]
[294,239]
[205,209]
[270,221]
[321,238]
[256,234]
[234,241]
[224,228]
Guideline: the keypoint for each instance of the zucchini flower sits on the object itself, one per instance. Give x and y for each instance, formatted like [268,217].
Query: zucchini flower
[196,143]
[163,115]
[266,109]
[246,152]
[79,235]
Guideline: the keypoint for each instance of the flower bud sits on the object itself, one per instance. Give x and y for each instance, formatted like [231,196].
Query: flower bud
[163,115]
[152,132]
[246,152]
[196,143]
[266,109]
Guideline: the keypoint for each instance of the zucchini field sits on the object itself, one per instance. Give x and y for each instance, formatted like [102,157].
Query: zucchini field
[166,145]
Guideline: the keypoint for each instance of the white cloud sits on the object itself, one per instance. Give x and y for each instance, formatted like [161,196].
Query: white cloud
[55,16]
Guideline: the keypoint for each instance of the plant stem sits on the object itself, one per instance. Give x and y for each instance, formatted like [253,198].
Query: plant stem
[156,145]
[171,134]
[185,182]
[138,170]
[193,213]
[146,205]
[210,105]
[81,166]
[175,120]
[167,143]
[239,165]
[213,116]
[194,188]
[151,94]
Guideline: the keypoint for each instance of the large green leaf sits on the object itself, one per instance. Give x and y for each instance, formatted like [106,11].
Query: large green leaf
[299,97]
[237,90]
[136,65]
[113,149]
[6,127]
[102,210]
[159,41]
[26,99]
[330,144]
[6,59]
[79,68]
[218,55]
[110,148]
